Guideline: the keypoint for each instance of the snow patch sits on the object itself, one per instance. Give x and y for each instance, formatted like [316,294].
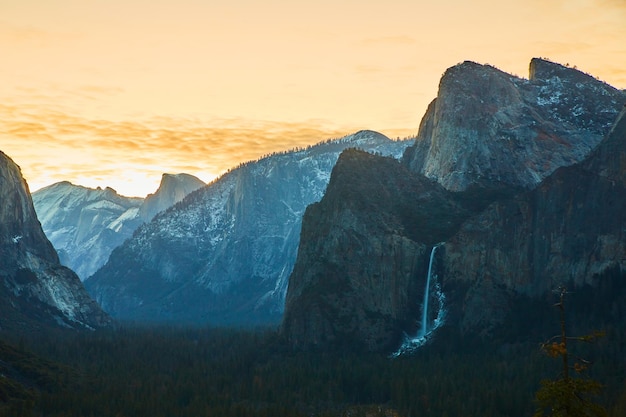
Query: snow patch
[129,215]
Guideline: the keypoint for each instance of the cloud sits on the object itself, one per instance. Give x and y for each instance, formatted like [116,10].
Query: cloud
[100,89]
[32,36]
[388,40]
[22,34]
[369,69]
[53,146]
[561,47]
[619,5]
[618,74]
[94,92]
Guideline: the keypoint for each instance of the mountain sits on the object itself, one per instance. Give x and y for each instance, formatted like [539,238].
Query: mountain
[510,215]
[487,127]
[86,224]
[362,251]
[35,289]
[224,254]
[173,188]
[569,231]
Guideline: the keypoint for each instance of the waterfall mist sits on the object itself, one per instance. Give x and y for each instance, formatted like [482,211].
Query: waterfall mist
[411,343]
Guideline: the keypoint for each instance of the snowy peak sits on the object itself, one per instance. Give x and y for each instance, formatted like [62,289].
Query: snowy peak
[86,224]
[224,254]
[491,129]
[173,188]
[363,138]
[60,202]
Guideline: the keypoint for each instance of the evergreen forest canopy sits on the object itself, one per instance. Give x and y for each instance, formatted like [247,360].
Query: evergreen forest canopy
[157,371]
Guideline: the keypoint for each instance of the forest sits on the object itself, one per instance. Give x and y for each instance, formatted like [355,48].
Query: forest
[158,371]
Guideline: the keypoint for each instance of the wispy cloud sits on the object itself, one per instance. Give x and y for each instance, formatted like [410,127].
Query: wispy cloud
[32,36]
[561,47]
[369,69]
[388,40]
[52,146]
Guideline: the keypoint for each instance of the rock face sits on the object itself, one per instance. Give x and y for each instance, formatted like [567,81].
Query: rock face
[488,127]
[35,290]
[86,224]
[512,217]
[570,230]
[224,254]
[173,188]
[364,253]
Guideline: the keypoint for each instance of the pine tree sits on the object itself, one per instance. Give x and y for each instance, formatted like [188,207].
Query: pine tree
[568,396]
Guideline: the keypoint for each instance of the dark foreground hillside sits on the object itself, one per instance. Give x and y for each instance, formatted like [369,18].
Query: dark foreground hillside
[211,372]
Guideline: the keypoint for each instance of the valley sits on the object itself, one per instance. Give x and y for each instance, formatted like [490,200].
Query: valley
[360,276]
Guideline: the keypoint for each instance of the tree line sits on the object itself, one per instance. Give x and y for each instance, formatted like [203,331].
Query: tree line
[157,371]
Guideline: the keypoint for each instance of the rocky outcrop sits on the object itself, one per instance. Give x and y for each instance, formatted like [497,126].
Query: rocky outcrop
[531,201]
[173,188]
[224,254]
[364,252]
[86,224]
[35,290]
[568,231]
[489,128]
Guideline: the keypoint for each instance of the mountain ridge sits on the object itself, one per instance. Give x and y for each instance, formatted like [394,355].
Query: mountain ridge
[569,231]
[86,224]
[36,291]
[501,242]
[227,249]
[489,128]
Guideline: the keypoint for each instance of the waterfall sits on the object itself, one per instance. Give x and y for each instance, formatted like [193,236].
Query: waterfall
[410,344]
[427,293]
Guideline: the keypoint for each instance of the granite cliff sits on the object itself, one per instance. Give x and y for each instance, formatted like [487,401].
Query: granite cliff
[35,289]
[223,255]
[489,128]
[527,199]
[172,189]
[364,252]
[86,224]
[568,231]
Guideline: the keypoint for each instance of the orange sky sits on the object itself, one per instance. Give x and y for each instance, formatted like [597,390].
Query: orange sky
[112,92]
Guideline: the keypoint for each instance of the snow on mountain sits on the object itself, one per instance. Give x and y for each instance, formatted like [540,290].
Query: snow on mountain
[488,128]
[35,290]
[225,253]
[173,188]
[85,224]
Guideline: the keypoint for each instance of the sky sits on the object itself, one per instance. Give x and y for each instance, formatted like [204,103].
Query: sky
[117,92]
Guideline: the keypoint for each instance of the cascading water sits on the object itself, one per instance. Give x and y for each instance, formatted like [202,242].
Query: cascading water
[412,343]
[427,292]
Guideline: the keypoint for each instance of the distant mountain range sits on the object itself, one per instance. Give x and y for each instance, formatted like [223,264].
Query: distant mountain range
[224,254]
[518,183]
[85,225]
